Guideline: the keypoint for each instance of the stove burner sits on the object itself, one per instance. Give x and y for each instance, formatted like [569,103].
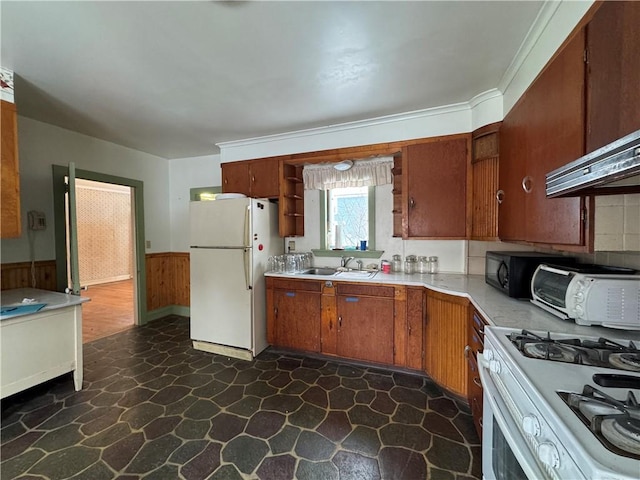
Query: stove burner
[551,351]
[624,433]
[626,361]
[599,353]
[615,423]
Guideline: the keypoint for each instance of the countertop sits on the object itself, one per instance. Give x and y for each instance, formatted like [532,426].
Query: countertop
[497,308]
[53,300]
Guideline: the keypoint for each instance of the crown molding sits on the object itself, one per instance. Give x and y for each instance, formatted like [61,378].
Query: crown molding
[546,13]
[483,97]
[341,127]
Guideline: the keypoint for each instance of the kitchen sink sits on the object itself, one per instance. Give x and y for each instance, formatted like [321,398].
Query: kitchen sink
[320,271]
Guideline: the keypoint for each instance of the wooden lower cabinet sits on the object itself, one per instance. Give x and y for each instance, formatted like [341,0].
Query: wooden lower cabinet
[475,345]
[293,314]
[365,322]
[445,337]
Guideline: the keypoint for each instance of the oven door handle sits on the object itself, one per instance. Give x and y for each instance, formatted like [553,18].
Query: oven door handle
[526,458]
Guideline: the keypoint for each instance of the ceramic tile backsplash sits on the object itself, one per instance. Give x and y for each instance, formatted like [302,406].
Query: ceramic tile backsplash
[617,223]
[478,250]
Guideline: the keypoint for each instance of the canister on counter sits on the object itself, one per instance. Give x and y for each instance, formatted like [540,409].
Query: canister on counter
[385,266]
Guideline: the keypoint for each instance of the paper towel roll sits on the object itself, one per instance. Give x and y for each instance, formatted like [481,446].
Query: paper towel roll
[338,240]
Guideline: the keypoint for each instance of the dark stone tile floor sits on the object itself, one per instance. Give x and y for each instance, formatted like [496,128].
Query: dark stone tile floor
[152,407]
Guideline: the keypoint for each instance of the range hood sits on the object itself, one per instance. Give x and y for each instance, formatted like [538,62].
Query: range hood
[612,169]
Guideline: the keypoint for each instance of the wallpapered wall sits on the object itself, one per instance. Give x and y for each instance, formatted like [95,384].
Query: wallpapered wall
[105,240]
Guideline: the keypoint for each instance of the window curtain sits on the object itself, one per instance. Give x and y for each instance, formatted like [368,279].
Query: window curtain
[363,173]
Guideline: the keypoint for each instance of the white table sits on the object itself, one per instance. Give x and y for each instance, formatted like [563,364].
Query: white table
[39,346]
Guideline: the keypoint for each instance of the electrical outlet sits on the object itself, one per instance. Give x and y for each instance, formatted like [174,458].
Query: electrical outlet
[148,243]
[292,246]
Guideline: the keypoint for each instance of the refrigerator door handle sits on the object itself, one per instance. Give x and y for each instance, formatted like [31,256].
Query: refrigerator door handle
[247,226]
[247,270]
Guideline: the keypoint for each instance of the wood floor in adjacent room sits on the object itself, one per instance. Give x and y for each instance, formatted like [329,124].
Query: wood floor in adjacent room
[109,311]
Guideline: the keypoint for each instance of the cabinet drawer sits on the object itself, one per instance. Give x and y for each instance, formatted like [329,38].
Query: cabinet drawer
[300,285]
[364,289]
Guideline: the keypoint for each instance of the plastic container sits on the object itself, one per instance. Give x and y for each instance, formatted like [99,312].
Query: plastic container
[385,266]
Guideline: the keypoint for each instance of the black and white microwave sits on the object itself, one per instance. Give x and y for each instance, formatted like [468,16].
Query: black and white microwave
[589,294]
[511,272]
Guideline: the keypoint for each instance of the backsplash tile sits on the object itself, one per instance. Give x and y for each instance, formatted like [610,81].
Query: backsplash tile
[617,223]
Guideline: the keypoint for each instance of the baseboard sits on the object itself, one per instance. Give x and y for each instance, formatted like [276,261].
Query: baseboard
[166,311]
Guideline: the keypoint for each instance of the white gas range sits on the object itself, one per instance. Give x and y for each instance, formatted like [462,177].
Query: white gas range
[544,415]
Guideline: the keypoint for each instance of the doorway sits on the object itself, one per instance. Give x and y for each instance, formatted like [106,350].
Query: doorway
[106,257]
[118,299]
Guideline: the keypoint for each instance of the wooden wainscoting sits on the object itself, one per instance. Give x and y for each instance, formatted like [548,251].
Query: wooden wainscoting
[167,279]
[18,275]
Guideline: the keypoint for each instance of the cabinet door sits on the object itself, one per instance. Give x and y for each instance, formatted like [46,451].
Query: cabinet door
[10,225]
[613,93]
[514,153]
[555,128]
[365,328]
[415,327]
[297,319]
[435,176]
[445,341]
[484,172]
[235,178]
[263,177]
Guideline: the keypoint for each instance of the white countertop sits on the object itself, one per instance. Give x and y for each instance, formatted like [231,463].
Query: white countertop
[497,308]
[53,300]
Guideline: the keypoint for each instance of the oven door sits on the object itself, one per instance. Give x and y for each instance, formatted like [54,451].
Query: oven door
[505,453]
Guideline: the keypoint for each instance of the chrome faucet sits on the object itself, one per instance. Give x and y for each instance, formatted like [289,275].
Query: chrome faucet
[359,262]
[344,261]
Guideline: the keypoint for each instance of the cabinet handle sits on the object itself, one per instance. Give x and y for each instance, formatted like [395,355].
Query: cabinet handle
[467,349]
[480,422]
[340,321]
[412,203]
[477,381]
[275,312]
[500,196]
[409,329]
[527,184]
[253,178]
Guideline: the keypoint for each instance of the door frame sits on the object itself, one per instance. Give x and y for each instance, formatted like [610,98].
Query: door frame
[61,171]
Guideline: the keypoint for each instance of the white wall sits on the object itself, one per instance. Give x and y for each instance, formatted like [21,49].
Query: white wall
[185,174]
[42,145]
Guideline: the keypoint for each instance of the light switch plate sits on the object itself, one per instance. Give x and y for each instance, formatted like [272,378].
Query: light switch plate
[292,246]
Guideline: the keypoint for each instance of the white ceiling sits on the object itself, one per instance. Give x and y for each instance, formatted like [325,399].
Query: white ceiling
[175,78]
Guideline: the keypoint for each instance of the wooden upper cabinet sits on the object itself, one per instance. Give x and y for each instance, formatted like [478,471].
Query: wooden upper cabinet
[263,178]
[484,172]
[556,107]
[542,132]
[10,224]
[254,178]
[613,63]
[434,189]
[235,178]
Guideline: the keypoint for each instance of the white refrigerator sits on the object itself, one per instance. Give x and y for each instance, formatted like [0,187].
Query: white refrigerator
[231,241]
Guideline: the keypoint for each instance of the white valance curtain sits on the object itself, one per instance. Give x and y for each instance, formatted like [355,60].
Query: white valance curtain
[363,173]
